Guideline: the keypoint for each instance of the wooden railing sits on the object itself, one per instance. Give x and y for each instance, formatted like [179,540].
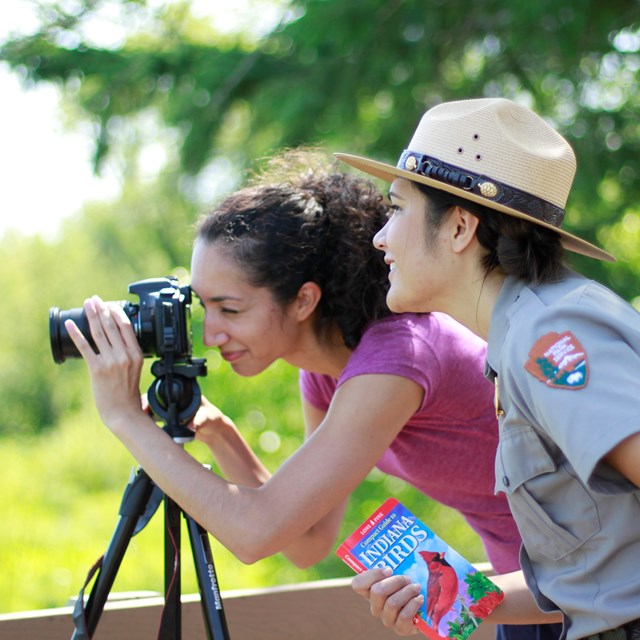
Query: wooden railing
[322,610]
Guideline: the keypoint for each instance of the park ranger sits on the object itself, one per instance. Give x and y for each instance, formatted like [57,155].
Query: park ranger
[478,199]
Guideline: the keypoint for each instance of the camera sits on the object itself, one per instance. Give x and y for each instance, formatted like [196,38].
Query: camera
[161,321]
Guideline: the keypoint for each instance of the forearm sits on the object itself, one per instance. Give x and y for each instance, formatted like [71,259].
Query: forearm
[239,464]
[518,606]
[251,522]
[234,457]
[230,512]
[396,599]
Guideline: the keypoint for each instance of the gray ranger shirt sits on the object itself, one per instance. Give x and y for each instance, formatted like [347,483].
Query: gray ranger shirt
[565,358]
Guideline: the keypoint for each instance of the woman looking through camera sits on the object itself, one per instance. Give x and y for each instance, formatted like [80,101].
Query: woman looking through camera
[285,269]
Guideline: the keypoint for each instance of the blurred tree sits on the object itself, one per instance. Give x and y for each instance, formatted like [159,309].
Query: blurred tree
[102,250]
[352,76]
[357,76]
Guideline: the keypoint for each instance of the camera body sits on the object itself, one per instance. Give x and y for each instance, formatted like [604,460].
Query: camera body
[161,321]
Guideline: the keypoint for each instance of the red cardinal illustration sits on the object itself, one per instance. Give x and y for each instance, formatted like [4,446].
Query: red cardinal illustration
[442,587]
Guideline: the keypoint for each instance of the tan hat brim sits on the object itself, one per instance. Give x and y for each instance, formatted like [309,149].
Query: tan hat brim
[388,173]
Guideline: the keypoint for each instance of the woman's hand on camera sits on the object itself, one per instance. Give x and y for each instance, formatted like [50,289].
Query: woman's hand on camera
[392,598]
[115,368]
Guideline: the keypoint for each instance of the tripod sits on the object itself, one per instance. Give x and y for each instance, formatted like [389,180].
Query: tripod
[174,397]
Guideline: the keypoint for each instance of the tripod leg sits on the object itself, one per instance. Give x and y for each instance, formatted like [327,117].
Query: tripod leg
[212,609]
[171,622]
[133,506]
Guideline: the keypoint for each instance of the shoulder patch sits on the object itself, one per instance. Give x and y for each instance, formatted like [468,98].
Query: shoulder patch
[559,360]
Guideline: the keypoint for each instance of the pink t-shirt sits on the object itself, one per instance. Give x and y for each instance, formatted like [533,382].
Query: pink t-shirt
[447,449]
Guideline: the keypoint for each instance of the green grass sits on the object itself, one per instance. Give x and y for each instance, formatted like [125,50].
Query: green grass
[61,498]
[61,493]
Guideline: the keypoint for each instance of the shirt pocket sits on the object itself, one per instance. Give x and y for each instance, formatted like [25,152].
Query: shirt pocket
[552,507]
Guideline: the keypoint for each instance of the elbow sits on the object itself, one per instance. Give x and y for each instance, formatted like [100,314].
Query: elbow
[251,555]
[306,562]
[251,549]
[302,556]
[308,555]
[247,556]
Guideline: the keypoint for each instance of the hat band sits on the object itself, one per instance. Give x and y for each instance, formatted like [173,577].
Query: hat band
[480,185]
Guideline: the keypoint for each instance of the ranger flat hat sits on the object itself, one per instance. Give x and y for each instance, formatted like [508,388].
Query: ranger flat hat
[495,152]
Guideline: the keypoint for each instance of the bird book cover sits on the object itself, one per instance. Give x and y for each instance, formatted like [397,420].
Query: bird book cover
[457,597]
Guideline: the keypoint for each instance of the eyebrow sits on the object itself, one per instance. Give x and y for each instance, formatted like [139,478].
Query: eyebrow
[223,298]
[214,298]
[393,194]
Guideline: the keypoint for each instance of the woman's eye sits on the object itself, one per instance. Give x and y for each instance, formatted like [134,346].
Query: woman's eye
[226,310]
[393,208]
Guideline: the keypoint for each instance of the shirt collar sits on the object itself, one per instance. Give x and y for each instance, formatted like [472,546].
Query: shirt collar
[500,316]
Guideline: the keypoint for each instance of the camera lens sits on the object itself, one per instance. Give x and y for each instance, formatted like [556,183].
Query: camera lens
[62,346]
[161,322]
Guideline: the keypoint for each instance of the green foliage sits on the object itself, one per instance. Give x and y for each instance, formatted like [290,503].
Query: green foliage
[148,232]
[352,76]
[357,76]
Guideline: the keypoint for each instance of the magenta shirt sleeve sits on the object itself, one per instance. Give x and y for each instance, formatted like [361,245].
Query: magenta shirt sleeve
[396,345]
[399,345]
[317,389]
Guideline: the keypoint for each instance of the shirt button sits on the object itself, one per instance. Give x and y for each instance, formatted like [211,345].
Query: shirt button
[505,481]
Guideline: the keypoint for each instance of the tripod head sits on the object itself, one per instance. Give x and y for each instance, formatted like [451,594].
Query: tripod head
[174,395]
[162,326]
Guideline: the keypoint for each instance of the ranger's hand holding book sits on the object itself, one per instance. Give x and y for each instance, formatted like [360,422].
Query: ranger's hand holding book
[427,585]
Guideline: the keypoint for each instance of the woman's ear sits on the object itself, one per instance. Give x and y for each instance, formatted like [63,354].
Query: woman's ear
[307,300]
[464,226]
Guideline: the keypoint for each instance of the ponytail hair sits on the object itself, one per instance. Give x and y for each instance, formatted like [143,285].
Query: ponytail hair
[301,221]
[518,247]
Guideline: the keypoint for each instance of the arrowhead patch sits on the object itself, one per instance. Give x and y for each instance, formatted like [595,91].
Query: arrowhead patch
[559,360]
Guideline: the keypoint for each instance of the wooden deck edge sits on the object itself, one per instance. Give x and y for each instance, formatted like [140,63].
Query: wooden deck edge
[319,610]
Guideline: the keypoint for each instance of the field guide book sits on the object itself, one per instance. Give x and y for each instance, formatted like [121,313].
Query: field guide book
[457,597]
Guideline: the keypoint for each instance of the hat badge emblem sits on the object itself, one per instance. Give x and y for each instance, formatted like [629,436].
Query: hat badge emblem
[410,163]
[488,189]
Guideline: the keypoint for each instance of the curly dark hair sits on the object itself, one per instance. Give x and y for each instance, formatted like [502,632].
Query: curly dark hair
[518,247]
[293,225]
